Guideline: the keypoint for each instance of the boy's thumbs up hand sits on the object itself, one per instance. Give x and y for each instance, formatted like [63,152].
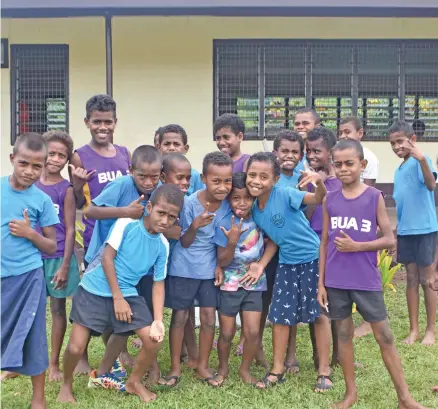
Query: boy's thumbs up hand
[346,244]
[136,209]
[21,228]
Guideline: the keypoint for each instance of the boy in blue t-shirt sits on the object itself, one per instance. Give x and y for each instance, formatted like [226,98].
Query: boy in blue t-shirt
[414,185]
[107,298]
[173,138]
[239,243]
[23,206]
[193,264]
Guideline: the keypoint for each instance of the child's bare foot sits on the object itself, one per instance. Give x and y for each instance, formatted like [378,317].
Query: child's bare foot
[8,375]
[363,330]
[429,339]
[292,367]
[55,374]
[127,360]
[247,377]
[34,404]
[348,402]
[66,394]
[409,404]
[413,337]
[83,367]
[137,343]
[435,389]
[207,376]
[192,363]
[137,388]
[261,360]
[152,378]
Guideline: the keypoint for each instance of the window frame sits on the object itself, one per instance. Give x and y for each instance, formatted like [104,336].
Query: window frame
[14,48]
[310,44]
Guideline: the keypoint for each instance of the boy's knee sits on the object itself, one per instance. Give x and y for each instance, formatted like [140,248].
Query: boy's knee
[75,349]
[345,332]
[57,308]
[252,335]
[208,318]
[227,336]
[412,276]
[384,336]
[179,318]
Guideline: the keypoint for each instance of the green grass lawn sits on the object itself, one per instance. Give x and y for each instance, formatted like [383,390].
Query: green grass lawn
[375,387]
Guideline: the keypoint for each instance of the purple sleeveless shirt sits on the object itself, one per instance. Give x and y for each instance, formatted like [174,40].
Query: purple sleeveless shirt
[358,218]
[331,184]
[239,163]
[57,194]
[107,169]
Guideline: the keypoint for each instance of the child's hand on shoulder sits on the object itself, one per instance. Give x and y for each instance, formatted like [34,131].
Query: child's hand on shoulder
[233,235]
[135,210]
[157,331]
[21,228]
[345,244]
[253,274]
[309,176]
[203,219]
[413,150]
[122,310]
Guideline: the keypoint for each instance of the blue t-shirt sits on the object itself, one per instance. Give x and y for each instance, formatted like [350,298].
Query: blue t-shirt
[120,192]
[137,252]
[195,182]
[284,222]
[199,260]
[292,181]
[415,203]
[248,250]
[19,255]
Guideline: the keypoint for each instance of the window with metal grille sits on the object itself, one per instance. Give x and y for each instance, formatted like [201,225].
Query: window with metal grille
[267,81]
[39,88]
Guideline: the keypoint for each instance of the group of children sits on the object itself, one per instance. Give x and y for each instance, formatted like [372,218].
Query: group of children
[272,235]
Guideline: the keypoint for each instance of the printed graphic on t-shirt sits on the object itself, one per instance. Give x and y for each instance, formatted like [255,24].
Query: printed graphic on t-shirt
[278,220]
[347,223]
[109,176]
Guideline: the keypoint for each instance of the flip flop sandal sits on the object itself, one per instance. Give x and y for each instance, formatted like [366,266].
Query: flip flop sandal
[168,379]
[292,368]
[239,350]
[321,383]
[269,384]
[211,378]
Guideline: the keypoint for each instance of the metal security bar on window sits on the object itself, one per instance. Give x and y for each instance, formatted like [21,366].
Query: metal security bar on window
[267,81]
[39,88]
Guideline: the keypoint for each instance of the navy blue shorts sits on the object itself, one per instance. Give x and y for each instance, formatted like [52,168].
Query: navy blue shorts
[232,302]
[417,248]
[23,318]
[181,293]
[294,299]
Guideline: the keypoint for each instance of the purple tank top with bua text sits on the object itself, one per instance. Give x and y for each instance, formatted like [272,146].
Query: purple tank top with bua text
[331,184]
[358,218]
[107,169]
[57,193]
[239,164]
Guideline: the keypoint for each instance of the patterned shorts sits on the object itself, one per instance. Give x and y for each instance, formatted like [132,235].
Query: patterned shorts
[294,299]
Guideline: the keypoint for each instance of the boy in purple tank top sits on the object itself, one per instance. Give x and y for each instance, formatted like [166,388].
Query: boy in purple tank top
[348,271]
[99,162]
[61,269]
[229,131]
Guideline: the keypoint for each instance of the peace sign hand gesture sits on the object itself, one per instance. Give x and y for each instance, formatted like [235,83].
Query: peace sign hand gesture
[233,235]
[21,228]
[204,219]
[413,150]
[309,176]
[80,176]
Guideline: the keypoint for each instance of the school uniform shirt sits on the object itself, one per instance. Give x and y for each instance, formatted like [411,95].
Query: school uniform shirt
[137,252]
[107,170]
[195,182]
[19,255]
[248,250]
[119,193]
[57,193]
[372,169]
[284,222]
[199,260]
[415,203]
[358,218]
